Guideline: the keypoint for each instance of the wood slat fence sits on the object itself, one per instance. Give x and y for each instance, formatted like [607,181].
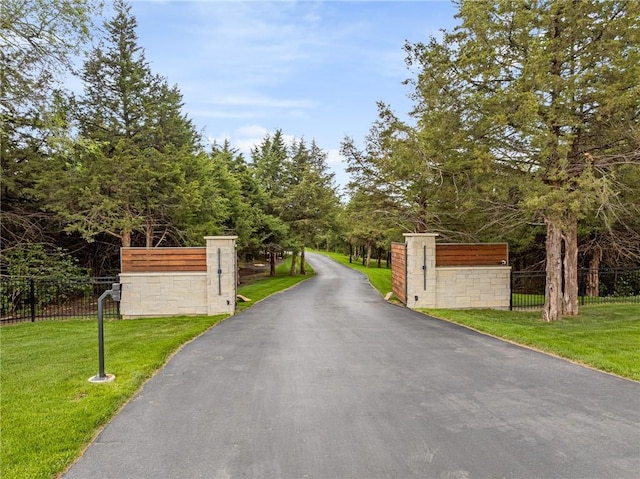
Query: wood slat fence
[139,260]
[471,254]
[399,271]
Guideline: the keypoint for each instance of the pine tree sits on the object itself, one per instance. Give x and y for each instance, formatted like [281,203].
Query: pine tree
[135,171]
[547,92]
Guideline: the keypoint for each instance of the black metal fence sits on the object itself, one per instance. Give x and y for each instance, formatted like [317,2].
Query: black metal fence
[33,299]
[613,285]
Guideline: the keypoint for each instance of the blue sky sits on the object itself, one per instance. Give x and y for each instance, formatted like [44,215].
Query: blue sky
[314,69]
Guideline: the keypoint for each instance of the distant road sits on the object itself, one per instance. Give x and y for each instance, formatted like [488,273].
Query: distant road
[328,381]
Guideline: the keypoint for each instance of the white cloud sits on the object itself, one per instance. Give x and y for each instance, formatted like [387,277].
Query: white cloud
[247,137]
[334,157]
[251,131]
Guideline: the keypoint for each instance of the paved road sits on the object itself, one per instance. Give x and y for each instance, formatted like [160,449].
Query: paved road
[328,381]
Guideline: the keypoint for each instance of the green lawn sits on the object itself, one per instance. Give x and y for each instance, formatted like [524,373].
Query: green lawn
[603,336]
[49,410]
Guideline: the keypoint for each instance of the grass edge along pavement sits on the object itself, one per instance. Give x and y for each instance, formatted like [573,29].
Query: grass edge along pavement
[49,410]
[603,336]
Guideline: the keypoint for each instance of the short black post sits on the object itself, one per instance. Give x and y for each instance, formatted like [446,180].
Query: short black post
[32,299]
[102,377]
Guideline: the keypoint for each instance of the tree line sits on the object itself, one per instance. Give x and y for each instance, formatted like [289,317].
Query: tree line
[122,165]
[524,129]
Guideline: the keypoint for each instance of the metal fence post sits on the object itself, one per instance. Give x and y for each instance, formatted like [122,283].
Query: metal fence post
[32,299]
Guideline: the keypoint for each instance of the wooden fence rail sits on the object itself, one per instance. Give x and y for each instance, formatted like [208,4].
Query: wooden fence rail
[471,254]
[138,260]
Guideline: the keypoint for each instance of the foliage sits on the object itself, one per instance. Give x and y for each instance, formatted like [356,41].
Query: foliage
[298,189]
[524,115]
[134,167]
[39,43]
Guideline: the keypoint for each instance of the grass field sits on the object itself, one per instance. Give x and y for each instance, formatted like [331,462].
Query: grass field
[603,336]
[49,411]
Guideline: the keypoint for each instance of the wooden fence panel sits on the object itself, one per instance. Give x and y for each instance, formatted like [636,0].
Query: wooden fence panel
[138,260]
[472,254]
[399,271]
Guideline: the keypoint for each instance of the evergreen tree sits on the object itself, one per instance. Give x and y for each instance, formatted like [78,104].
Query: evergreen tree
[546,98]
[136,170]
[38,41]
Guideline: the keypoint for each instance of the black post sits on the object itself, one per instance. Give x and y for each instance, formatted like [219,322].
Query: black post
[101,374]
[114,292]
[511,290]
[219,274]
[32,299]
[350,252]
[424,266]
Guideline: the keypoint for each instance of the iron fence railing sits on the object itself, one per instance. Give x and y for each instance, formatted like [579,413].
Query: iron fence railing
[33,299]
[612,285]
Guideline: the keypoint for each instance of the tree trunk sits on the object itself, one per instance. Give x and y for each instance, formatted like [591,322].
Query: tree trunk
[294,256]
[303,268]
[571,268]
[368,254]
[553,289]
[148,235]
[272,263]
[593,279]
[125,237]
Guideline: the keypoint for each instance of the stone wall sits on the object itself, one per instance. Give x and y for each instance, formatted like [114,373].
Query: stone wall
[452,287]
[473,287]
[163,294]
[183,293]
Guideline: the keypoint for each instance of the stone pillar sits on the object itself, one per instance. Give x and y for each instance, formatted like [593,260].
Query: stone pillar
[421,270]
[221,274]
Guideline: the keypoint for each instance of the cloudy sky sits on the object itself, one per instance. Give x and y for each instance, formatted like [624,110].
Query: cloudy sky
[314,69]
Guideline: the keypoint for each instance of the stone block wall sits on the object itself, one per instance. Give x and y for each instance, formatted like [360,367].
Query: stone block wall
[173,292]
[163,294]
[452,287]
[473,287]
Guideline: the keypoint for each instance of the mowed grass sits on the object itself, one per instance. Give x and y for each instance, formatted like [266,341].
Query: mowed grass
[602,336]
[49,411]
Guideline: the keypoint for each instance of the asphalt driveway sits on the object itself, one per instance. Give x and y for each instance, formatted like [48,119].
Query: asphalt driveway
[327,381]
